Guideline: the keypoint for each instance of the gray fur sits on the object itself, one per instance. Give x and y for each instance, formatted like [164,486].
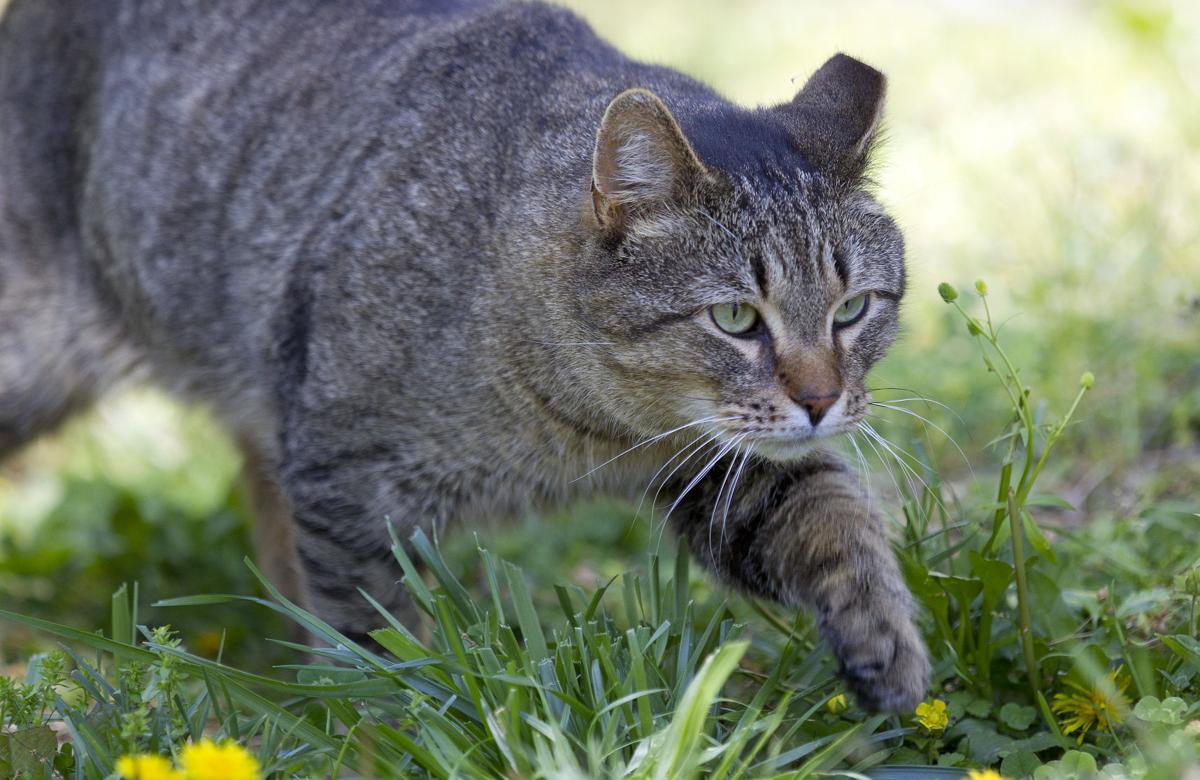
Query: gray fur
[428,266]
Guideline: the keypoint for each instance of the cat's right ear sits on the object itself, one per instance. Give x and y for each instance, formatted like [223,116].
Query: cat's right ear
[642,160]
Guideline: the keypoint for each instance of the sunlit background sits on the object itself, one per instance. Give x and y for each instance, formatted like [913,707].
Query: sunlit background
[1050,148]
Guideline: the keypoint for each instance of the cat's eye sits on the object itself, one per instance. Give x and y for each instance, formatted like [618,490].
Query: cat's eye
[851,311]
[736,319]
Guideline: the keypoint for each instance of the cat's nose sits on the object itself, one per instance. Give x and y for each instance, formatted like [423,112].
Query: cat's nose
[817,405]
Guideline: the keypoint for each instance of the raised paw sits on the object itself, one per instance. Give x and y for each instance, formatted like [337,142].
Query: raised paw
[882,658]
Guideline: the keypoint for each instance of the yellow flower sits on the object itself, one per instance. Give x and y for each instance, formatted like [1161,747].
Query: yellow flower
[984,774]
[837,704]
[932,715]
[147,767]
[1084,708]
[207,760]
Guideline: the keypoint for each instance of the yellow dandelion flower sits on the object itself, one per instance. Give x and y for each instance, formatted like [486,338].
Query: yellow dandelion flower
[207,760]
[1086,707]
[932,715]
[837,704]
[147,767]
[985,774]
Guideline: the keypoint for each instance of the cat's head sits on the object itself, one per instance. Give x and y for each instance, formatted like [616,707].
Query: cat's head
[740,273]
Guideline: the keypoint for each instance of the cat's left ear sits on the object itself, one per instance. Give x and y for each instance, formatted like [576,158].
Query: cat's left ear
[834,118]
[642,159]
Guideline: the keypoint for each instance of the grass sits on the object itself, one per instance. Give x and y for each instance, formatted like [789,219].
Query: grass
[1044,660]
[1054,557]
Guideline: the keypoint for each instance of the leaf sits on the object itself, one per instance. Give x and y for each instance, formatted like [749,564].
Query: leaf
[1017,716]
[1168,711]
[31,749]
[984,742]
[1184,646]
[680,746]
[1037,539]
[994,574]
[962,589]
[1019,763]
[1049,500]
[1078,762]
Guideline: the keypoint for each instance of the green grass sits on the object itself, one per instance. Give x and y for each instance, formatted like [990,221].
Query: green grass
[653,674]
[1044,148]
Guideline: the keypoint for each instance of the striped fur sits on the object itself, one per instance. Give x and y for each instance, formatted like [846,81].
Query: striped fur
[433,262]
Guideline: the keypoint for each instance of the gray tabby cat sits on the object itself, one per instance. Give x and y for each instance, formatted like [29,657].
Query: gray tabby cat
[435,261]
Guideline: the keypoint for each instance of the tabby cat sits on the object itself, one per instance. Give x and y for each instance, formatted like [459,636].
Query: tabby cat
[435,261]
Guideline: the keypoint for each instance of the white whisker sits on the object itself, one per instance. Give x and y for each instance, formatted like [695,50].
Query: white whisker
[732,487]
[704,472]
[866,472]
[717,501]
[653,439]
[933,425]
[709,437]
[884,461]
[892,449]
[917,397]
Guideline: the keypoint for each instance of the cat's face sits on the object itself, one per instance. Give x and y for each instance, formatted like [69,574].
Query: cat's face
[748,308]
[761,319]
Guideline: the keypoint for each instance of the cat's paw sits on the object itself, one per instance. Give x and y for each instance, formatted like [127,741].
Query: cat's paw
[881,655]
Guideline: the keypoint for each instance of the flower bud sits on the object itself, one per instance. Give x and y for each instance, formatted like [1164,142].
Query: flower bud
[981,287]
[1087,380]
[973,329]
[947,292]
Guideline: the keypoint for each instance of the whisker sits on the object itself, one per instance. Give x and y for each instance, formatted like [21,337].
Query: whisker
[916,396]
[709,438]
[866,472]
[726,230]
[651,440]
[717,502]
[732,487]
[884,461]
[932,424]
[703,473]
[892,449]
[710,443]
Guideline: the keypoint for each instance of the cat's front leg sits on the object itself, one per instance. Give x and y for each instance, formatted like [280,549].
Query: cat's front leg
[343,548]
[804,534]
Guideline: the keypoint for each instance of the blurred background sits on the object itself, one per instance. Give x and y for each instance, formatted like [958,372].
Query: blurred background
[1051,148]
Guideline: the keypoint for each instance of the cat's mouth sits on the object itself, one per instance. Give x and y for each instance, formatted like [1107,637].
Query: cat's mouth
[784,434]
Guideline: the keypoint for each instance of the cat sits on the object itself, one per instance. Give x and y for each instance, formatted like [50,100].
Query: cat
[435,261]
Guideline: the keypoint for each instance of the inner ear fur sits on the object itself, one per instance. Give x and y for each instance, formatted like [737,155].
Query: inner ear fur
[642,159]
[835,116]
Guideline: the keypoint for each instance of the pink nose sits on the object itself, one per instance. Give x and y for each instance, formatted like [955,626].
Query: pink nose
[817,405]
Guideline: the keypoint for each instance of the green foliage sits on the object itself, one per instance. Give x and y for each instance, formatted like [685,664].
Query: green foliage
[650,675]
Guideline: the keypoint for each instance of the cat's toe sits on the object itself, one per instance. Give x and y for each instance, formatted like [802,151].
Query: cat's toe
[885,666]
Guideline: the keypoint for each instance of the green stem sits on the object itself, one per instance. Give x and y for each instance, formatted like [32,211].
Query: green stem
[1018,548]
[998,518]
[1054,435]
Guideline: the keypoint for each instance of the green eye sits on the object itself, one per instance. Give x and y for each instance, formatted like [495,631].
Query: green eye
[735,318]
[850,311]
